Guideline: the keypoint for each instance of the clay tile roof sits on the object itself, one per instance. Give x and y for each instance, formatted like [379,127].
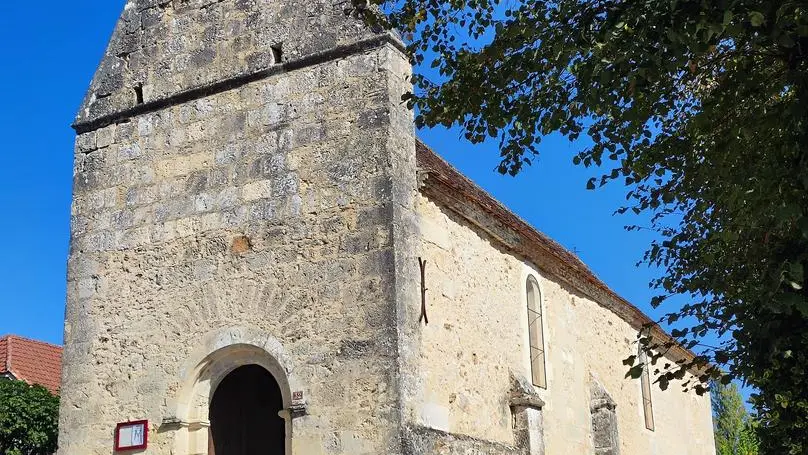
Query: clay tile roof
[34,362]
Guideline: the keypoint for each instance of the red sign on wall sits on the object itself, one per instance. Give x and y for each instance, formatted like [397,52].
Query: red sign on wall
[132,435]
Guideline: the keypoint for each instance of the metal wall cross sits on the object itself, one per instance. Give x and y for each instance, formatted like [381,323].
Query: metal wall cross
[422,264]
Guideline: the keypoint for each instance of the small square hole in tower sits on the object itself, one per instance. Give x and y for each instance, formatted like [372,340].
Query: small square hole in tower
[277,53]
[139,94]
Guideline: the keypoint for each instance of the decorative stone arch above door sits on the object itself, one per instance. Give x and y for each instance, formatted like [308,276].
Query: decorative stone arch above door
[220,353]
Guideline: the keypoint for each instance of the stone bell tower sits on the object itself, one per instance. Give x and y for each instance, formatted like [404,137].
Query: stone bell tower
[241,248]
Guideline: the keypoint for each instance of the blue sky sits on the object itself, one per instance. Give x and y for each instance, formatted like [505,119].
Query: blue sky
[50,50]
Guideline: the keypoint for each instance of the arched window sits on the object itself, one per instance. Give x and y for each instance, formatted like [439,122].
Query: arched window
[536,331]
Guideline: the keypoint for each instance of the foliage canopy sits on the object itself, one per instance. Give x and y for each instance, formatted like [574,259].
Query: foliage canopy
[699,108]
[29,417]
[734,432]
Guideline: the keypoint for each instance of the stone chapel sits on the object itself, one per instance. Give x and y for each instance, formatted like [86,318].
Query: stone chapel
[265,260]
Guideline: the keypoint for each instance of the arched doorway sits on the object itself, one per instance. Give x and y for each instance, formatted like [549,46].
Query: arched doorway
[244,416]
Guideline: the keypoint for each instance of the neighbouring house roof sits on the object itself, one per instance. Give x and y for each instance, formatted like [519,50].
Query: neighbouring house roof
[32,361]
[446,185]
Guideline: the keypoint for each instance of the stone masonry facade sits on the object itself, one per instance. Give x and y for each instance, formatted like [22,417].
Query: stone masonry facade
[247,192]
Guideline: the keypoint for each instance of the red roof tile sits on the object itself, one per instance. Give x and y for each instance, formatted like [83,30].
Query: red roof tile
[34,362]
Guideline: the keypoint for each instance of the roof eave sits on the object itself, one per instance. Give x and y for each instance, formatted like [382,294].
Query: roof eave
[445,184]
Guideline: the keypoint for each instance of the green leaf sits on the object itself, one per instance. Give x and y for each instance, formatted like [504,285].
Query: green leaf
[756,18]
[635,372]
[721,357]
[727,17]
[802,223]
[677,333]
[796,272]
[785,40]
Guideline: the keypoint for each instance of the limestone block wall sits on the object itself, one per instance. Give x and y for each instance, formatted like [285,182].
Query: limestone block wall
[262,216]
[164,47]
[464,367]
[478,335]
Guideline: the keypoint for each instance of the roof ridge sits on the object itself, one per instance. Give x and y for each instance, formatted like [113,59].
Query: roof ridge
[33,340]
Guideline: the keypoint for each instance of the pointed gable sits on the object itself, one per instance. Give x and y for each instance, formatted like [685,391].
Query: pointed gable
[166,48]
